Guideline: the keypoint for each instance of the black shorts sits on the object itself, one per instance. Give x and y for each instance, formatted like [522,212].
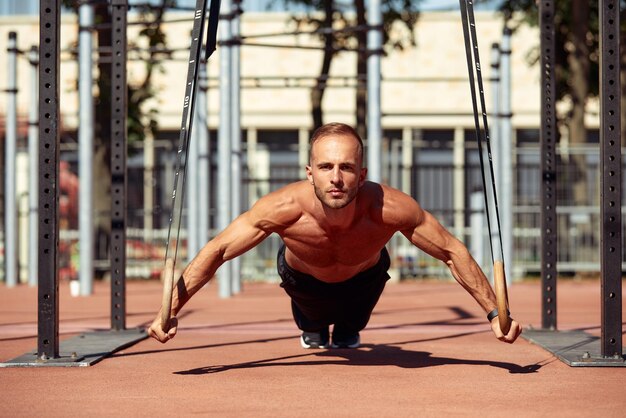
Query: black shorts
[349,304]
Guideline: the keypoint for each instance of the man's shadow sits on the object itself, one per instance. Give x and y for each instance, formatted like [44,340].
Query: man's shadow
[366,355]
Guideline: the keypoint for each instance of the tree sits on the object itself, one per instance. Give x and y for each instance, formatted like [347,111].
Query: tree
[342,27]
[151,47]
[576,67]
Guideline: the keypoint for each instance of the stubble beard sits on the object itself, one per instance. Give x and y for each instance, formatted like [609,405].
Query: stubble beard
[332,203]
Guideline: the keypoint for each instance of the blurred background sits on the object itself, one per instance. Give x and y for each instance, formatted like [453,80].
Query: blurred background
[300,66]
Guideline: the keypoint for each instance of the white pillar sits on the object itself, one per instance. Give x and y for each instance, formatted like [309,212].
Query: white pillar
[506,129]
[33,169]
[374,129]
[459,182]
[224,145]
[235,132]
[10,197]
[85,140]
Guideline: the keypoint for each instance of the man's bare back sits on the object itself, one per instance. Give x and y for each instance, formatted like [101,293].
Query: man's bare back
[334,226]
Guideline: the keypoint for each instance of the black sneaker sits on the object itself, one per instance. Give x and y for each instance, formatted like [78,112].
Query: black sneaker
[346,341]
[315,339]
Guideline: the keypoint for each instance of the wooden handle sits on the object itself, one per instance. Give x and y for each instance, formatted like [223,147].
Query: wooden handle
[502,297]
[167,277]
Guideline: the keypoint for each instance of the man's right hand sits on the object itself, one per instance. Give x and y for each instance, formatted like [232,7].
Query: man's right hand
[156,332]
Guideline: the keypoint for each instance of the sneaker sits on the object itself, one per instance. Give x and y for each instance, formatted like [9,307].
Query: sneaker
[315,339]
[349,341]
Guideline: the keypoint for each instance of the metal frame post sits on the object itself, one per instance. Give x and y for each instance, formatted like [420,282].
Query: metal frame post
[119,110]
[374,129]
[548,167]
[578,348]
[611,179]
[49,144]
[85,349]
[10,193]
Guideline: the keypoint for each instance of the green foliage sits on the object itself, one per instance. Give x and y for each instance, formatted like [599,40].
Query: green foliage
[151,46]
[525,12]
[405,12]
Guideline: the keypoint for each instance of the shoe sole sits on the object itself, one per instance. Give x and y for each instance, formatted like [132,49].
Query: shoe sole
[311,346]
[355,345]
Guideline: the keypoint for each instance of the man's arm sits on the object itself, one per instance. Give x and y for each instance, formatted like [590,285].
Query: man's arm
[431,237]
[269,214]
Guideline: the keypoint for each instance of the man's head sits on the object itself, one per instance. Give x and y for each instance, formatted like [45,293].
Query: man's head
[338,130]
[336,164]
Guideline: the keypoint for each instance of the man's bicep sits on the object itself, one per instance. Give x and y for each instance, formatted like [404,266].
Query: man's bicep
[241,235]
[430,236]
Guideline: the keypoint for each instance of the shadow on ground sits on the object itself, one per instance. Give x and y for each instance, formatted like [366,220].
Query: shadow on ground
[366,355]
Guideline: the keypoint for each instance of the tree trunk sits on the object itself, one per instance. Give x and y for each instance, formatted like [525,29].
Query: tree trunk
[361,70]
[317,92]
[578,59]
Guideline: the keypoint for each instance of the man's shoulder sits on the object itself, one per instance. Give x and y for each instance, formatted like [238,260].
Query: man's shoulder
[394,207]
[281,207]
[383,195]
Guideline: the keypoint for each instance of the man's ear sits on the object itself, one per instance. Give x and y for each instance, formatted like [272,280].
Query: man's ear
[309,174]
[363,176]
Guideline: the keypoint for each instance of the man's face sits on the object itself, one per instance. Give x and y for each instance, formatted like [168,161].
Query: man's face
[335,170]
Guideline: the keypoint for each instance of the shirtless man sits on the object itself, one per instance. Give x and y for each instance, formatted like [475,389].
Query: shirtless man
[333,263]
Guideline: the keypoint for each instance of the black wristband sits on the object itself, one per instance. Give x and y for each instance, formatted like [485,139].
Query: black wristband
[494,313]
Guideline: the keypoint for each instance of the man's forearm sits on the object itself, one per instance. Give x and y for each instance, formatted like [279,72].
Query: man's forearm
[469,275]
[194,277]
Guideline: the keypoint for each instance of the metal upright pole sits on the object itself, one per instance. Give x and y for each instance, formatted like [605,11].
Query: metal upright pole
[33,168]
[85,140]
[225,143]
[10,203]
[374,129]
[611,168]
[49,145]
[235,73]
[119,149]
[548,138]
[506,154]
[204,161]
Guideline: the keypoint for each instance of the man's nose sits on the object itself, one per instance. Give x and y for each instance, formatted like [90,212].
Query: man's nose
[336,178]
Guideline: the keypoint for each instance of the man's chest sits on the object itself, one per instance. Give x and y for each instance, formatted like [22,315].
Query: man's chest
[325,247]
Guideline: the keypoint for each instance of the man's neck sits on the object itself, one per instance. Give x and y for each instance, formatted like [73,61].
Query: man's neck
[338,218]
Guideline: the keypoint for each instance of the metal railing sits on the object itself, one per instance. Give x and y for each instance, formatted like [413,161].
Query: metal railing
[578,220]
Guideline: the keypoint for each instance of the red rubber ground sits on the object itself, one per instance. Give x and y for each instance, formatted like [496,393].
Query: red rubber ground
[428,351]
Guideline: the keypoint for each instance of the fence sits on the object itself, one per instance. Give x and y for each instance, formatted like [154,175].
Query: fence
[432,183]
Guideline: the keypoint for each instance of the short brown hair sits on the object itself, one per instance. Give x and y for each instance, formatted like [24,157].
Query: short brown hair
[336,129]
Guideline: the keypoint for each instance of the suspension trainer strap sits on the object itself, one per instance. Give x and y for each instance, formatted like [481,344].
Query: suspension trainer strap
[191,87]
[211,37]
[473,63]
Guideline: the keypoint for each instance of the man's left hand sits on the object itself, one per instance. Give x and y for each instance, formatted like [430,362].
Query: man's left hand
[511,336]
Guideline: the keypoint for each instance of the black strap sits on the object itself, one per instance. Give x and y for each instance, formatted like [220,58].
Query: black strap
[473,62]
[191,88]
[211,36]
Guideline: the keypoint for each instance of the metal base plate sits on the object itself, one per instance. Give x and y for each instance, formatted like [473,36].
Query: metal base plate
[575,348]
[83,350]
